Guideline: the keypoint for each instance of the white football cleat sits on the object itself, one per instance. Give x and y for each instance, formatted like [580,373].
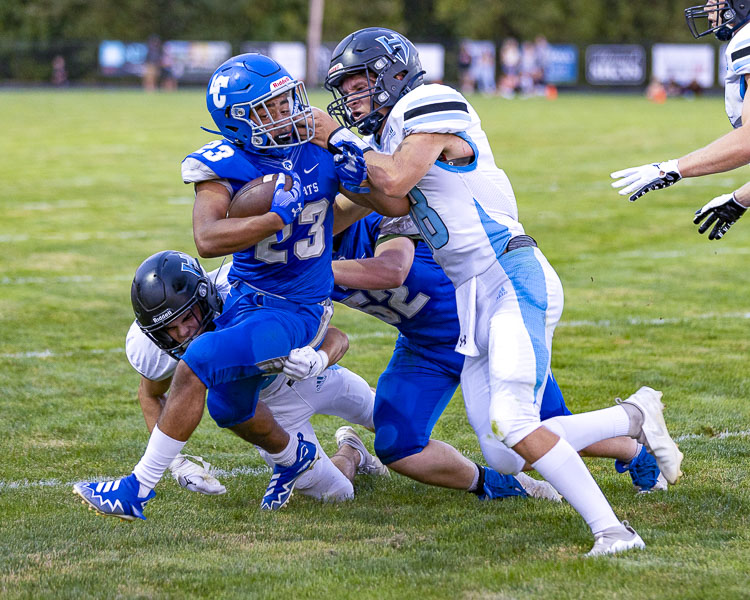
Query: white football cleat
[654,434]
[196,478]
[616,539]
[370,464]
[537,488]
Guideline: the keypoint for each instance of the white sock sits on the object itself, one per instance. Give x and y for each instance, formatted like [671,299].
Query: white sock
[564,469]
[159,454]
[587,428]
[288,455]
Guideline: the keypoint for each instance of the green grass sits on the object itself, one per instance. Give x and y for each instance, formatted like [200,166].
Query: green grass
[91,186]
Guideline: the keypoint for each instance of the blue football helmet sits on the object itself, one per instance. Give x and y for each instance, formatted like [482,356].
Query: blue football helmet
[391,66]
[723,18]
[258,106]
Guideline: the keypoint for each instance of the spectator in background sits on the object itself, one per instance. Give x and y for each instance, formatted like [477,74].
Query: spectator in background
[466,81]
[486,72]
[656,92]
[171,70]
[152,66]
[529,68]
[59,71]
[510,60]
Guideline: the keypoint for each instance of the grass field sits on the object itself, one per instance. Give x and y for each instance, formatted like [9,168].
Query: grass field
[91,186]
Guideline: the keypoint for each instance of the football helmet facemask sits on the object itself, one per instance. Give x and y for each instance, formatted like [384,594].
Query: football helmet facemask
[165,287]
[727,16]
[390,66]
[258,106]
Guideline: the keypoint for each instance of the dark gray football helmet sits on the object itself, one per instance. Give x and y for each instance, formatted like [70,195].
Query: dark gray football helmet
[390,64]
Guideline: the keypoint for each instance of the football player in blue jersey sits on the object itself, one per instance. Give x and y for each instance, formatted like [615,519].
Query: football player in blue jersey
[382,268]
[727,20]
[281,277]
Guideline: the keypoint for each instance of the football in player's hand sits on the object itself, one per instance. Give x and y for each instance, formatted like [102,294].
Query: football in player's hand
[255,197]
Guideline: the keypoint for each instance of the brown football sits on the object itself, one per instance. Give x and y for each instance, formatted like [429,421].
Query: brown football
[255,197]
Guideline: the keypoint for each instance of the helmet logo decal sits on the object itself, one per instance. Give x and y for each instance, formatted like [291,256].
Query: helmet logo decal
[395,45]
[187,265]
[165,315]
[217,83]
[280,82]
[336,67]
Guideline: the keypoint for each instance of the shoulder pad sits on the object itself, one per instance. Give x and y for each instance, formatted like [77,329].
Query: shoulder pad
[434,109]
[146,357]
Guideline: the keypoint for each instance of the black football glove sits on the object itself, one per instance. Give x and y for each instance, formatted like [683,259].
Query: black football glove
[722,212]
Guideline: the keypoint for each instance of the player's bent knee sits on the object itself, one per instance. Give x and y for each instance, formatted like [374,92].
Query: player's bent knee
[500,457]
[392,444]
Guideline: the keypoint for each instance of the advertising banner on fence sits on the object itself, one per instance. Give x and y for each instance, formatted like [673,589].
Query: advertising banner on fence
[615,64]
[117,58]
[684,64]
[194,61]
[561,64]
[432,57]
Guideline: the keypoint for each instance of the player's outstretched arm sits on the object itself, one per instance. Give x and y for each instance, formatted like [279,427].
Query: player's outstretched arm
[724,154]
[387,269]
[216,235]
[152,395]
[346,213]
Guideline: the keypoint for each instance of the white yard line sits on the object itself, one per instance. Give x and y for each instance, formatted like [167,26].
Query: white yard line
[225,474]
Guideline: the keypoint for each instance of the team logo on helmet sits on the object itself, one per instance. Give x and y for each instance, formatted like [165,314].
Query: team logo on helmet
[395,45]
[187,265]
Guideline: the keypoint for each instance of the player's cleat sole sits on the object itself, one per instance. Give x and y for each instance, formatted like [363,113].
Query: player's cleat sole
[538,489]
[371,464]
[616,539]
[654,434]
[281,486]
[116,498]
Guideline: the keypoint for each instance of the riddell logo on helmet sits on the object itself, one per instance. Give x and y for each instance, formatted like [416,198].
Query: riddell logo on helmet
[279,82]
[336,67]
[165,315]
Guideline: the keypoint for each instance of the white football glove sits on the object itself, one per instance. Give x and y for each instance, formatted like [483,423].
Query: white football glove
[303,363]
[643,179]
[196,478]
[723,210]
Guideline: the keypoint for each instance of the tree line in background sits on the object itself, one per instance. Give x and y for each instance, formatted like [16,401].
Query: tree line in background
[31,27]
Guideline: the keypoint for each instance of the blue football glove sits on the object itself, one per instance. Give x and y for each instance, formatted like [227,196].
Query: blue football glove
[287,204]
[351,167]
[348,151]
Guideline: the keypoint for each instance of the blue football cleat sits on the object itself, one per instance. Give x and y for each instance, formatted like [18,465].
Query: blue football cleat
[118,498]
[282,482]
[492,485]
[644,472]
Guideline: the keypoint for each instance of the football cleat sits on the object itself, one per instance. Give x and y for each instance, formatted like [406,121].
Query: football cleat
[654,434]
[643,471]
[118,498]
[194,477]
[616,539]
[370,464]
[282,482]
[493,485]
[538,489]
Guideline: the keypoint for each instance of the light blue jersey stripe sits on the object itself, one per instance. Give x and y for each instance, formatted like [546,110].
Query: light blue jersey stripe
[436,117]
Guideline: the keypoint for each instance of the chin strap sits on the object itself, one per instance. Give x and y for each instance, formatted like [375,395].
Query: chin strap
[212,131]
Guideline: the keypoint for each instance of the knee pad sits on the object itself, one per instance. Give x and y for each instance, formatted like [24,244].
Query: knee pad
[500,457]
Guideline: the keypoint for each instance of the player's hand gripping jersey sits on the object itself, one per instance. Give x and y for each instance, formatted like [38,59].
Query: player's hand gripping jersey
[738,66]
[468,213]
[298,267]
